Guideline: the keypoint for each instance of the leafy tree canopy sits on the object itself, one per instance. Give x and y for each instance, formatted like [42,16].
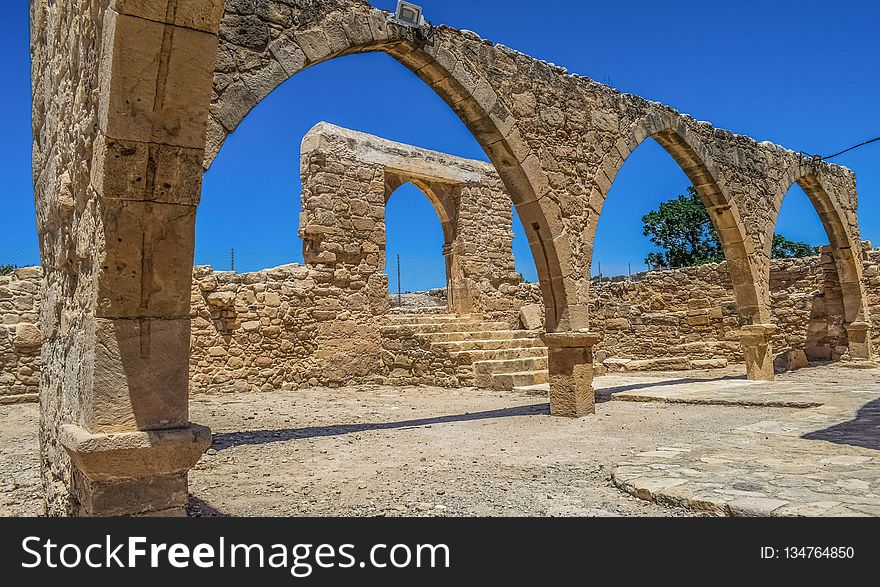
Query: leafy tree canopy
[6,269]
[684,233]
[787,249]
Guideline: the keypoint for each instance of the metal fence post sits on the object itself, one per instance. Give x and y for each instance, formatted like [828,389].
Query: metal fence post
[399,297]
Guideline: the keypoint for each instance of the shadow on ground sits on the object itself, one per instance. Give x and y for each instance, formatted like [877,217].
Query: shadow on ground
[608,392]
[863,430]
[225,440]
[198,508]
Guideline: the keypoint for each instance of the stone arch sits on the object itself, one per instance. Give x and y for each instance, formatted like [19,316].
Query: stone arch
[846,249]
[441,202]
[445,209]
[363,29]
[691,155]
[673,134]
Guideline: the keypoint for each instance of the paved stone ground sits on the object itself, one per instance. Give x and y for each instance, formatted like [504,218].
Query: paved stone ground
[820,461]
[381,451]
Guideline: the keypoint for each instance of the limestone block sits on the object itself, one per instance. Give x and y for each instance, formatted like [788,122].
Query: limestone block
[27,274]
[202,15]
[790,360]
[148,262]
[141,375]
[221,299]
[132,473]
[247,31]
[155,81]
[27,337]
[132,170]
[531,316]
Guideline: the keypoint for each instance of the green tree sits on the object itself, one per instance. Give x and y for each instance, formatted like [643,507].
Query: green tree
[6,269]
[682,229]
[788,249]
[684,233]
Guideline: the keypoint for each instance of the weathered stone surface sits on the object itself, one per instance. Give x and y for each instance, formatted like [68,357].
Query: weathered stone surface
[531,316]
[27,337]
[156,81]
[123,70]
[790,361]
[140,375]
[814,461]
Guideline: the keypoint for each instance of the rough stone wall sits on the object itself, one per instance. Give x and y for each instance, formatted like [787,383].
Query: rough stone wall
[688,318]
[280,329]
[20,337]
[872,287]
[483,248]
[349,176]
[291,327]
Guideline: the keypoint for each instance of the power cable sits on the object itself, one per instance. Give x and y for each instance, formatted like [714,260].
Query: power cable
[874,140]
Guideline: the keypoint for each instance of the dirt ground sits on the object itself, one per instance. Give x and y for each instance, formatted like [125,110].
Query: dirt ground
[382,451]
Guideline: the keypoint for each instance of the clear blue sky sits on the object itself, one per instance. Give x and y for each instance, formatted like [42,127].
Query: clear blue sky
[803,73]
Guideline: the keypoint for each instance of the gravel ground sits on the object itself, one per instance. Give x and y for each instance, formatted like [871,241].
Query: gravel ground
[383,451]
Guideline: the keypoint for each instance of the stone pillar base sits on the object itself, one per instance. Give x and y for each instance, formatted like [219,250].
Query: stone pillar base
[132,473]
[570,360]
[758,350]
[859,337]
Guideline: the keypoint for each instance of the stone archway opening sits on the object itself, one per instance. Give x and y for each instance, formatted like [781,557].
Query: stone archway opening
[745,315]
[833,306]
[662,299]
[419,253]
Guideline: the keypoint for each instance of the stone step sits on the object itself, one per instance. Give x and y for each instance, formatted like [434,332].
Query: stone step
[487,344]
[412,329]
[484,370]
[392,320]
[537,389]
[473,356]
[529,379]
[473,335]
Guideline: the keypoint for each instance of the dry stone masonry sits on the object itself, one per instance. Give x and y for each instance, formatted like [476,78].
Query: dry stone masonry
[348,178]
[133,98]
[20,338]
[266,330]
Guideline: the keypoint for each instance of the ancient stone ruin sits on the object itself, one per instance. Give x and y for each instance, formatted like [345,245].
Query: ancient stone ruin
[134,98]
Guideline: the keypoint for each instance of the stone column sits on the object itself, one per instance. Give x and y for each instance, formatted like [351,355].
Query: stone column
[859,336]
[758,349]
[122,418]
[570,360]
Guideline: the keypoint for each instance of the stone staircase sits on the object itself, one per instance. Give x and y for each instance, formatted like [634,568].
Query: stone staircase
[485,354]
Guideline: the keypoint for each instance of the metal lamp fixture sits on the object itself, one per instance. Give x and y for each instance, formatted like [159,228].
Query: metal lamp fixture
[408,15]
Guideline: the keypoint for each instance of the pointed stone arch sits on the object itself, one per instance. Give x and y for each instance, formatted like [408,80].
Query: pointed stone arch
[466,90]
[826,192]
[688,151]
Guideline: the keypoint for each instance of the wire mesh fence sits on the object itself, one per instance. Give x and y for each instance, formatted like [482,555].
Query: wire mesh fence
[18,254]
[616,272]
[416,282]
[245,260]
[407,274]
